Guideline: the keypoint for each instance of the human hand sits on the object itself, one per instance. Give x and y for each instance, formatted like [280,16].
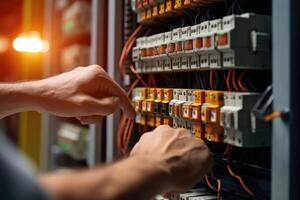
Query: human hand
[87,93]
[177,152]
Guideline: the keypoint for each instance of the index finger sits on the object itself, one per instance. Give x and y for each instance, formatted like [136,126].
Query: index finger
[115,89]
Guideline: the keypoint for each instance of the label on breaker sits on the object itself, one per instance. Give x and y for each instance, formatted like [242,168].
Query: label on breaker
[213,116]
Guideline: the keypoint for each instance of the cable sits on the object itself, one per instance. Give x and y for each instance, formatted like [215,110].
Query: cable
[273,115]
[236,88]
[127,47]
[247,189]
[209,184]
[218,185]
[133,70]
[241,85]
[239,178]
[228,80]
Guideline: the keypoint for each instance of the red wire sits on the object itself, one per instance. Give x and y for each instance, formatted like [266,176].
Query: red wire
[127,47]
[128,134]
[209,184]
[239,178]
[121,132]
[218,185]
[241,85]
[125,135]
[227,150]
[228,80]
[247,189]
[236,88]
[137,75]
[219,189]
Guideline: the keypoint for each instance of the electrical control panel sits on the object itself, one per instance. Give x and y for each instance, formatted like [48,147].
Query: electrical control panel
[203,66]
[211,115]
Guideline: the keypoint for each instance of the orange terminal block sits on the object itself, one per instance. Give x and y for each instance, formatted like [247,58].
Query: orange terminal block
[158,120]
[151,95]
[162,7]
[214,102]
[198,130]
[169,5]
[143,15]
[151,120]
[187,2]
[167,121]
[178,4]
[149,13]
[143,120]
[199,99]
[155,11]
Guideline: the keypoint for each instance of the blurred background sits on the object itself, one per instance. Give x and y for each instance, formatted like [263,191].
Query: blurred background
[42,38]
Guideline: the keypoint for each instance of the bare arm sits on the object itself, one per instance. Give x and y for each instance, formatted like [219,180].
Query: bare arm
[87,93]
[164,160]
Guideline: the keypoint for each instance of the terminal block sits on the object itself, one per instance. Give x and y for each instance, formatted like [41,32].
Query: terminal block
[216,116]
[235,41]
[210,115]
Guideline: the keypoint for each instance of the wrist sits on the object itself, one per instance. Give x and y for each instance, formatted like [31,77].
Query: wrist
[153,172]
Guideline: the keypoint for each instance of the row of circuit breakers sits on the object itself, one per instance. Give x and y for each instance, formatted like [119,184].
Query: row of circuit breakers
[235,41]
[213,115]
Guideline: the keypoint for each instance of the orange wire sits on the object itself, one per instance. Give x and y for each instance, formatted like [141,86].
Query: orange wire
[127,47]
[228,80]
[133,85]
[137,75]
[234,80]
[241,85]
[125,135]
[120,132]
[129,133]
[272,116]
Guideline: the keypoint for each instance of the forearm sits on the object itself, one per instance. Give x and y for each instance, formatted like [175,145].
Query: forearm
[18,97]
[133,179]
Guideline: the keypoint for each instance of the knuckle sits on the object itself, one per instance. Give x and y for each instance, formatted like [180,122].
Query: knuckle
[163,127]
[182,131]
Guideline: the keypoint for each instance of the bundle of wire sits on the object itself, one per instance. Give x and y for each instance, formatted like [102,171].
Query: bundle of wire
[125,127]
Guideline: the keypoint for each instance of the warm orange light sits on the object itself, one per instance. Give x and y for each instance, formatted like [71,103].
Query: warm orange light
[30,43]
[4,44]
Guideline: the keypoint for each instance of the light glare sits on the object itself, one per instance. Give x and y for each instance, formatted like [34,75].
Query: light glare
[30,44]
